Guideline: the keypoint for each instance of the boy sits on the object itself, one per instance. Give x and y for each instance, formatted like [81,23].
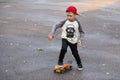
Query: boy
[72,34]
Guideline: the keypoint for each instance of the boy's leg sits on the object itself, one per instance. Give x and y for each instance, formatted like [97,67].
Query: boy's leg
[63,51]
[74,50]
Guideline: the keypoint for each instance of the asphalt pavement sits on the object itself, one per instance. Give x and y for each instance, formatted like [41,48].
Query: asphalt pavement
[26,53]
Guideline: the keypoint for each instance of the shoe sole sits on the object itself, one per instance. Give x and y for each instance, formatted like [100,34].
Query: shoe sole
[80,69]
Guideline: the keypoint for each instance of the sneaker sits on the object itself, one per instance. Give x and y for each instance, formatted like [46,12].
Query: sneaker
[80,68]
[60,63]
[58,66]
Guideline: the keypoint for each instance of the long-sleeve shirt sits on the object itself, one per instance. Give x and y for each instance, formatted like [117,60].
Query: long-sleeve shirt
[72,31]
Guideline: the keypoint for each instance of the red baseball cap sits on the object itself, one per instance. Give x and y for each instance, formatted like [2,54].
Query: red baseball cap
[72,9]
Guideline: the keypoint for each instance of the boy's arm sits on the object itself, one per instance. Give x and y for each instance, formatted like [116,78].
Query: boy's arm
[81,37]
[55,27]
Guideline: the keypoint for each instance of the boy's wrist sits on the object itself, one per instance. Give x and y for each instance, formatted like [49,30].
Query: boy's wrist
[79,40]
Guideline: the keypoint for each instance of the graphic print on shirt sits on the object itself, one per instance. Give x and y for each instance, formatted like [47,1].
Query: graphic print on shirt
[70,31]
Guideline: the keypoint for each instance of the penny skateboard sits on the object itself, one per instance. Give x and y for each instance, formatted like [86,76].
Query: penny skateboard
[62,69]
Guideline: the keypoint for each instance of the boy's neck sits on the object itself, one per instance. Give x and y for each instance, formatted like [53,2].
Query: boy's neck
[72,20]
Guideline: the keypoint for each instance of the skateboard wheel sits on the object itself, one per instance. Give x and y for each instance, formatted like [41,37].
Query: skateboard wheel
[70,67]
[58,71]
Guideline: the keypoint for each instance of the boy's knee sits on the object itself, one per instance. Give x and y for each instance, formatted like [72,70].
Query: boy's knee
[64,50]
[75,51]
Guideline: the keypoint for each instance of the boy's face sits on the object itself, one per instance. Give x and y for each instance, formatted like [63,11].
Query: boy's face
[70,16]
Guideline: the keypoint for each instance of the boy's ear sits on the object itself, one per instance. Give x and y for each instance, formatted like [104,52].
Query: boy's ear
[66,10]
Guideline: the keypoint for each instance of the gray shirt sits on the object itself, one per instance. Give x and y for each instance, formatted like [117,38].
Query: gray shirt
[72,31]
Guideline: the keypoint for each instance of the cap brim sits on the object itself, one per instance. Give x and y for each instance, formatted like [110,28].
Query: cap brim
[77,14]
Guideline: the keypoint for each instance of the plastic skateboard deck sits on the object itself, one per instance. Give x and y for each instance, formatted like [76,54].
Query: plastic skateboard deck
[62,69]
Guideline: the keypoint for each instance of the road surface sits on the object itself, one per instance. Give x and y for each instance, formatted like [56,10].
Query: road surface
[26,54]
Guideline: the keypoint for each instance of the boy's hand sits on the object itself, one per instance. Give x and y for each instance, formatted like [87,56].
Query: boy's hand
[80,43]
[50,37]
